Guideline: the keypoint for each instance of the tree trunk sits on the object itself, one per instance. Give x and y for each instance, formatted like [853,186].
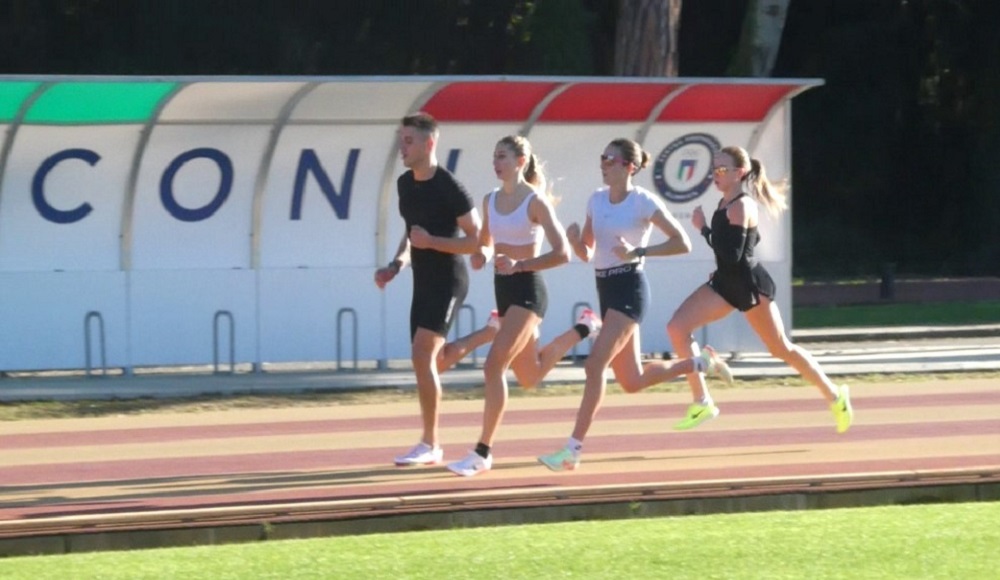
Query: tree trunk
[646,38]
[760,39]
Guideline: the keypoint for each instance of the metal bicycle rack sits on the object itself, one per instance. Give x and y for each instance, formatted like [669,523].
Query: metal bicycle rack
[456,332]
[219,314]
[574,313]
[94,315]
[354,335]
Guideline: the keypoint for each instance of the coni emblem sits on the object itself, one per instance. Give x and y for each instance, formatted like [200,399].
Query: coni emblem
[682,171]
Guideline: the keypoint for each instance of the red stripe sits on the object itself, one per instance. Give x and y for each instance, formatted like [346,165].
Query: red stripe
[607,102]
[513,417]
[514,101]
[487,101]
[725,102]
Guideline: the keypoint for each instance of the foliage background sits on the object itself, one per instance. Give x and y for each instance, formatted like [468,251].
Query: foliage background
[894,157]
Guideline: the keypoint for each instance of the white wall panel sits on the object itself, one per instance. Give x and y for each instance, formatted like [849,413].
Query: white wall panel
[173,315]
[222,240]
[42,316]
[300,310]
[326,233]
[29,241]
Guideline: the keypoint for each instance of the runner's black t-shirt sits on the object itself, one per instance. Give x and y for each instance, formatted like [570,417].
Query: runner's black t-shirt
[435,205]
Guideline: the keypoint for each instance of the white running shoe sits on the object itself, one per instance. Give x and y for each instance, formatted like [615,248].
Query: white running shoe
[565,459]
[421,454]
[471,464]
[590,319]
[494,320]
[715,365]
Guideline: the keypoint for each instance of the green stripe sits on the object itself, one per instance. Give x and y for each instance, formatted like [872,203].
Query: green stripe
[97,102]
[12,95]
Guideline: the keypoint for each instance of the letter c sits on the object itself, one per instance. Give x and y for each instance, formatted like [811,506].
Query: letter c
[38,187]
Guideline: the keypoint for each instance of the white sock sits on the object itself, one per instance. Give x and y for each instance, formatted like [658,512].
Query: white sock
[574,444]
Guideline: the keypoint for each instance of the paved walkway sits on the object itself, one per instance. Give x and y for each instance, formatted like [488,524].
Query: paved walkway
[85,474]
[841,352]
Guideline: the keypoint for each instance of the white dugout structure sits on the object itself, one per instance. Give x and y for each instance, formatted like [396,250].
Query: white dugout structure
[192,220]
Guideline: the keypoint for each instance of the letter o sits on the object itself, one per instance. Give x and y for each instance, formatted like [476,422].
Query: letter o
[225,185]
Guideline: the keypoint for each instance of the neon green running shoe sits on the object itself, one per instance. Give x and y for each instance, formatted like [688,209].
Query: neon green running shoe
[715,365]
[563,460]
[842,410]
[696,415]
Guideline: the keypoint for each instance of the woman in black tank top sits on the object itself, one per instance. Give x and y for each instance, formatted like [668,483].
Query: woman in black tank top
[740,282]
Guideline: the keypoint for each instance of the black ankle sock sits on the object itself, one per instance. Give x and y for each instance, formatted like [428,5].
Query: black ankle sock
[583,330]
[482,450]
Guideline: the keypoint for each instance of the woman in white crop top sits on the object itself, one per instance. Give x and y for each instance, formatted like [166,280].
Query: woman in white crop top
[516,217]
[615,235]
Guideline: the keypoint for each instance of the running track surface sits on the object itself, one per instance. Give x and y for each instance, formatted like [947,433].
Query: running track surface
[343,453]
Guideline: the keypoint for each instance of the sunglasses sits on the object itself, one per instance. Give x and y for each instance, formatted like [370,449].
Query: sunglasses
[722,170]
[613,158]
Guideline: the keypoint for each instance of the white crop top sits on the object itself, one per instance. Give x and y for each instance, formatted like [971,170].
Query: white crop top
[629,218]
[515,228]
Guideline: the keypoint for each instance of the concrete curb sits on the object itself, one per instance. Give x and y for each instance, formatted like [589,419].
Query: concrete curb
[867,334]
[254,523]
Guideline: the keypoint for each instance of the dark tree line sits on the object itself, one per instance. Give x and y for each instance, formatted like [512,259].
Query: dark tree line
[894,157]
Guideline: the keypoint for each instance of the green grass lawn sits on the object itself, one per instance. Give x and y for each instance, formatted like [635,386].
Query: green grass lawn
[917,541]
[952,313]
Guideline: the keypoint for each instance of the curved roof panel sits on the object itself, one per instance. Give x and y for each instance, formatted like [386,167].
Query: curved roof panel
[500,101]
[734,102]
[360,100]
[12,96]
[229,101]
[602,102]
[613,100]
[95,103]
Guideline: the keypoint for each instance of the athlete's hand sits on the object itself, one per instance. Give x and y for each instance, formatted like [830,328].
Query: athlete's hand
[573,233]
[383,276]
[419,238]
[477,260]
[622,251]
[504,265]
[698,218]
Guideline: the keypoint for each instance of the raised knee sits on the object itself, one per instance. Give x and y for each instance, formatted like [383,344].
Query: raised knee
[528,382]
[630,387]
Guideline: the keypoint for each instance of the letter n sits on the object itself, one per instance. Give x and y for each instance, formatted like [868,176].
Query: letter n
[309,164]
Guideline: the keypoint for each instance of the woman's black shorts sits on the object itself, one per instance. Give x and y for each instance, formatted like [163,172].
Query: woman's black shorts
[524,289]
[623,288]
[743,289]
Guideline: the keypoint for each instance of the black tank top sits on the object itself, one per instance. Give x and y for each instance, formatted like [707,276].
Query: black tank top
[733,250]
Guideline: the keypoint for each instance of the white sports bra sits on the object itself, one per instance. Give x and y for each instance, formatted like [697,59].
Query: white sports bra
[515,228]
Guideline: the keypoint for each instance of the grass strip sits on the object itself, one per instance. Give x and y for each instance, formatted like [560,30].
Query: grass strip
[915,541]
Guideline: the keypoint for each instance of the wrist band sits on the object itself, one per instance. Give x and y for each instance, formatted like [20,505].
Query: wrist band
[395,265]
[640,252]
